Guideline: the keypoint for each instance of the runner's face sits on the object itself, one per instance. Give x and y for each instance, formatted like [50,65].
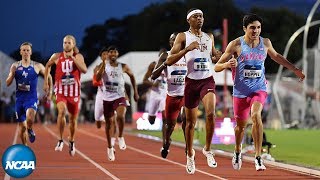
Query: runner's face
[253,30]
[196,20]
[68,44]
[104,55]
[25,51]
[113,55]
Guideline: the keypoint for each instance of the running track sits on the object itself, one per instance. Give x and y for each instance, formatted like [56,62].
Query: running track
[141,159]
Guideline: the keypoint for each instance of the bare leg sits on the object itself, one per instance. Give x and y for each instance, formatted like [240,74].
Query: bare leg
[191,118]
[73,125]
[239,133]
[61,120]
[108,130]
[98,124]
[23,132]
[171,123]
[209,102]
[164,128]
[183,116]
[31,114]
[257,126]
[121,111]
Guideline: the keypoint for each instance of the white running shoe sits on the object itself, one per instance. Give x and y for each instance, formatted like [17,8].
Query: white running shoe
[122,143]
[191,166]
[210,158]
[258,162]
[113,141]
[72,148]
[59,146]
[111,155]
[237,161]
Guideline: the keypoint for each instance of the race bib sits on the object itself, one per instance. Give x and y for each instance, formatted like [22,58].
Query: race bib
[201,64]
[178,77]
[68,80]
[111,87]
[251,71]
[24,87]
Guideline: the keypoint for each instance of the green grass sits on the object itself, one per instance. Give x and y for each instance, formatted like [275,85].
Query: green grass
[300,147]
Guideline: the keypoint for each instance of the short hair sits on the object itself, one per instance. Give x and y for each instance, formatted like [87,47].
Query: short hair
[104,49]
[26,44]
[112,47]
[250,18]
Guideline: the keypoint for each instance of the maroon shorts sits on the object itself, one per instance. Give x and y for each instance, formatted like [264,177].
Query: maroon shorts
[173,106]
[72,103]
[195,90]
[110,106]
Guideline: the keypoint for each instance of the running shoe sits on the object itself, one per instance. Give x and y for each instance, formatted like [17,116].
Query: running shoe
[237,161]
[72,148]
[210,158]
[59,146]
[122,143]
[165,149]
[258,162]
[111,155]
[191,164]
[32,135]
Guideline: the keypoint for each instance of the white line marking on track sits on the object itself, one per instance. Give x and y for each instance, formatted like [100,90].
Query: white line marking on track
[149,154]
[85,157]
[7,177]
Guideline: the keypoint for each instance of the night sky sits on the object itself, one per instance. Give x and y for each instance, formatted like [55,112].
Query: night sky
[44,23]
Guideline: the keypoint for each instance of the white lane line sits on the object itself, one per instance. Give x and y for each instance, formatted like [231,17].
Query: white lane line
[149,154]
[85,157]
[7,177]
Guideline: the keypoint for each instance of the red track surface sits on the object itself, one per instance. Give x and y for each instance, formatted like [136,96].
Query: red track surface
[141,159]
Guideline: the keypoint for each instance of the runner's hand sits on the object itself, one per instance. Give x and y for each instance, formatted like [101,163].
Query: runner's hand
[232,63]
[300,74]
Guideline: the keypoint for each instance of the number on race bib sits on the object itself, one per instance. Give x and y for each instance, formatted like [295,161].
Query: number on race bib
[201,64]
[111,87]
[251,71]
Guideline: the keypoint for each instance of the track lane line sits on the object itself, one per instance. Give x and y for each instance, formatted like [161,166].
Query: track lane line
[97,165]
[151,155]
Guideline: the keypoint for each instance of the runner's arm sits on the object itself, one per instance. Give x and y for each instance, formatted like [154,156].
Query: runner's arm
[127,70]
[79,61]
[11,74]
[160,66]
[225,62]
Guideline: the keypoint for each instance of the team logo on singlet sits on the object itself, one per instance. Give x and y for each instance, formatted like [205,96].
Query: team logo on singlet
[25,74]
[67,66]
[203,47]
[114,74]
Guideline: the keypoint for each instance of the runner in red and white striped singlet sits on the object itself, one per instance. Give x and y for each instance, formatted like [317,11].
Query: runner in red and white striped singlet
[69,65]
[67,77]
